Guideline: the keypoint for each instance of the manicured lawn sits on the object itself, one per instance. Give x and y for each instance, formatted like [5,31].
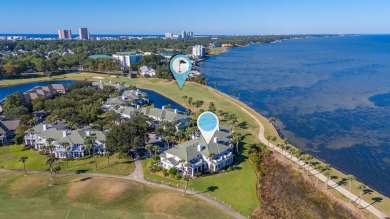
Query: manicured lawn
[217,50]
[78,196]
[10,154]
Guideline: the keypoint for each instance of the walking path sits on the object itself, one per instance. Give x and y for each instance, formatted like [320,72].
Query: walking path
[313,171]
[138,176]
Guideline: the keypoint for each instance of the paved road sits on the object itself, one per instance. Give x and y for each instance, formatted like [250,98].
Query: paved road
[313,171]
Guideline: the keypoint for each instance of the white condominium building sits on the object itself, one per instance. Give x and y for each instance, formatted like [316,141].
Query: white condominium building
[198,51]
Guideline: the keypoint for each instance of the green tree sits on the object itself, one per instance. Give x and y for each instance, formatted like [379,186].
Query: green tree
[186,178]
[14,100]
[128,135]
[107,155]
[273,120]
[185,99]
[285,143]
[65,145]
[327,173]
[50,145]
[149,147]
[156,150]
[89,142]
[212,107]
[49,162]
[23,159]
[273,139]
[237,137]
[268,137]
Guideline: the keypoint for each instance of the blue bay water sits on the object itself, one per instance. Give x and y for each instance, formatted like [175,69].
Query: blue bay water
[331,96]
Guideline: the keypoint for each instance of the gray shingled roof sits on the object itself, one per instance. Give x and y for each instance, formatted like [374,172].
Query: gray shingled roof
[114,101]
[189,149]
[59,126]
[167,114]
[78,136]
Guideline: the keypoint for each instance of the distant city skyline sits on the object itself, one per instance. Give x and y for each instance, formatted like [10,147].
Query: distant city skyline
[228,17]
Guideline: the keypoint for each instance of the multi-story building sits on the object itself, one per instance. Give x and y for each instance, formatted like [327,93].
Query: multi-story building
[187,34]
[196,155]
[83,33]
[168,35]
[65,143]
[7,131]
[179,119]
[127,58]
[190,34]
[198,51]
[64,34]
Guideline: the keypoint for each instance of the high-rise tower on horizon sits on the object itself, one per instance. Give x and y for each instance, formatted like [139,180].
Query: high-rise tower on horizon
[83,33]
[64,34]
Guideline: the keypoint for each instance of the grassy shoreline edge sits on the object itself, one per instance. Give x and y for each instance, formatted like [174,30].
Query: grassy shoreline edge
[269,129]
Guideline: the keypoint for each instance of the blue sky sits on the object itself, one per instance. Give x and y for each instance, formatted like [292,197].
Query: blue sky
[201,16]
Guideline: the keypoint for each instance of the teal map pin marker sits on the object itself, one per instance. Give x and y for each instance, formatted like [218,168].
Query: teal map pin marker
[180,66]
[208,124]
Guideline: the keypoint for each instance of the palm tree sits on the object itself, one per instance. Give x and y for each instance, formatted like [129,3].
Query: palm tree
[285,142]
[108,154]
[169,139]
[268,139]
[273,120]
[327,173]
[237,137]
[156,149]
[298,153]
[181,135]
[211,156]
[232,121]
[149,147]
[50,144]
[49,162]
[185,98]
[283,147]
[66,151]
[89,142]
[273,139]
[361,187]
[189,101]
[292,151]
[56,170]
[23,159]
[350,178]
[186,178]
[309,158]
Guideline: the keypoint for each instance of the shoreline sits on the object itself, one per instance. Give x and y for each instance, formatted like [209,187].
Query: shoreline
[340,168]
[263,119]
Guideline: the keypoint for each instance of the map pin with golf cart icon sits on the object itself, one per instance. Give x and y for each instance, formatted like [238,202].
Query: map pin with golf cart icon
[180,66]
